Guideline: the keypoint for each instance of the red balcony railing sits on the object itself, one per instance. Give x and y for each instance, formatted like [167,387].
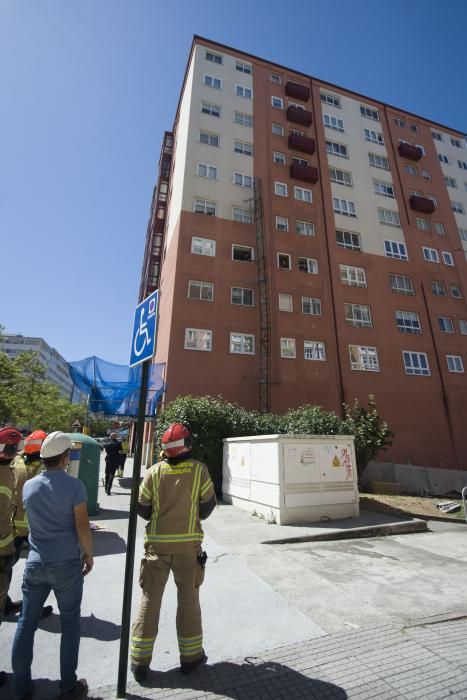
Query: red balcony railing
[307,173]
[300,92]
[422,204]
[299,116]
[302,143]
[406,150]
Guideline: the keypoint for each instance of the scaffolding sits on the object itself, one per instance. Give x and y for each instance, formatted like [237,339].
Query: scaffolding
[264,311]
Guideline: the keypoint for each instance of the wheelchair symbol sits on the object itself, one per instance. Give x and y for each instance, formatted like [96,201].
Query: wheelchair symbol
[142,336]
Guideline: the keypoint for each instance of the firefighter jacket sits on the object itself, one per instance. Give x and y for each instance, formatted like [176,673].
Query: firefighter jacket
[7,494]
[24,470]
[174,492]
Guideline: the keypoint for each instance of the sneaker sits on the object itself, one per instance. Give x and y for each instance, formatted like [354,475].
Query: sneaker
[140,673]
[190,666]
[13,607]
[79,690]
[46,611]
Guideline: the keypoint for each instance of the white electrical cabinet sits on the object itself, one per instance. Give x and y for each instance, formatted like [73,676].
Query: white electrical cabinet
[291,479]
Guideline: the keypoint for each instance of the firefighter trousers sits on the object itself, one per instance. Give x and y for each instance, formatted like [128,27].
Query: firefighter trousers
[188,576]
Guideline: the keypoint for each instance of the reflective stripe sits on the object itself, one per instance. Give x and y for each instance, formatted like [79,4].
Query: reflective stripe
[5,541]
[5,490]
[190,646]
[194,499]
[205,487]
[190,537]
[176,443]
[22,523]
[143,491]
[32,442]
[142,647]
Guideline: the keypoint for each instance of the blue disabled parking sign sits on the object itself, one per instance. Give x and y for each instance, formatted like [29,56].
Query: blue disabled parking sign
[143,344]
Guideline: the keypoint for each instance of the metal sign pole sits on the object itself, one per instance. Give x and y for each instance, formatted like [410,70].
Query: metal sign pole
[130,546]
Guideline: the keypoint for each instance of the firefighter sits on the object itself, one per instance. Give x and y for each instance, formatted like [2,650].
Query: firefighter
[25,466]
[176,493]
[9,440]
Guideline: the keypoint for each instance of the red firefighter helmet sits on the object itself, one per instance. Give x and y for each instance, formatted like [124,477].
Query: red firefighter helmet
[33,442]
[176,440]
[9,439]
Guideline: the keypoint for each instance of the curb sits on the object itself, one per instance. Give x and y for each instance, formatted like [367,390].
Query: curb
[404,527]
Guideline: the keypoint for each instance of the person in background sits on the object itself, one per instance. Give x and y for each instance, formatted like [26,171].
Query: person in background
[112,460]
[9,440]
[56,508]
[26,466]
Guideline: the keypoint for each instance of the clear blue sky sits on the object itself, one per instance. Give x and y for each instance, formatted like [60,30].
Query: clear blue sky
[87,88]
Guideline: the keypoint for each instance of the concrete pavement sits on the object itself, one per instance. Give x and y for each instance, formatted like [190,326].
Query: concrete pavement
[259,599]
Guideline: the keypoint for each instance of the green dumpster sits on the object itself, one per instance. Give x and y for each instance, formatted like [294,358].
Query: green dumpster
[89,453]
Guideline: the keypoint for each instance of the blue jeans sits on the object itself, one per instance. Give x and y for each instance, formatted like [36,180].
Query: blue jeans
[65,579]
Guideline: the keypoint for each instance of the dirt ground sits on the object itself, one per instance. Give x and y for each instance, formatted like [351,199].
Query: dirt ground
[411,505]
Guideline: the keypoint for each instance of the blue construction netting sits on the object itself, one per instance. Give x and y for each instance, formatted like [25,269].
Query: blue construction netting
[114,389]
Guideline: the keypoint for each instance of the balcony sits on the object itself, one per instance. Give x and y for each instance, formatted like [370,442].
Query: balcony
[299,116]
[306,173]
[411,152]
[299,92]
[302,143]
[422,204]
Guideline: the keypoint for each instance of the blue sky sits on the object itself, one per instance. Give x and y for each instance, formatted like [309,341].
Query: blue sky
[87,89]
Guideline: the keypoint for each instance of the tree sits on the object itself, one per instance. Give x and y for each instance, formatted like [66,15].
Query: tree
[372,433]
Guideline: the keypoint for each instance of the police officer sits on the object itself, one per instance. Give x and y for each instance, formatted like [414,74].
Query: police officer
[175,495]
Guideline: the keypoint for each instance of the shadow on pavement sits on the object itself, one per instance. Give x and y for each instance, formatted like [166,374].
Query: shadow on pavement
[106,542]
[249,680]
[109,514]
[91,626]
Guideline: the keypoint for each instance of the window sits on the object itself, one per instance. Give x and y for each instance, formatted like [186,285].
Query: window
[244,216]
[305,228]
[456,142]
[209,108]
[445,324]
[308,265]
[369,113]
[205,206]
[242,296]
[242,344]
[278,158]
[344,207]
[284,261]
[300,161]
[243,147]
[401,284]
[447,258]
[439,228]
[205,170]
[278,129]
[414,128]
[463,234]
[416,193]
[430,255]
[311,306]
[450,182]
[280,188]
[288,349]
[213,82]
[242,253]
[276,79]
[462,164]
[410,169]
[242,180]
[388,217]
[364,358]
[198,339]
[242,91]
[455,363]
[277,102]
[462,326]
[209,138]
[297,132]
[243,67]
[341,177]
[426,174]
[443,159]
[437,136]
[348,239]
[353,276]
[399,122]
[282,223]
[296,105]
[285,302]
[214,57]
[374,136]
[423,224]
[438,289]
[333,122]
[416,363]
[408,322]
[302,194]
[458,207]
[358,315]
[203,246]
[203,291]
[396,250]
[337,149]
[384,188]
[314,350]
[243,119]
[378,161]
[330,99]
[456,291]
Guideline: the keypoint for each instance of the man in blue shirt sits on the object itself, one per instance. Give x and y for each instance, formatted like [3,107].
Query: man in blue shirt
[55,504]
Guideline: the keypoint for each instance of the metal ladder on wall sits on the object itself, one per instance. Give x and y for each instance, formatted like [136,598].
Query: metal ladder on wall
[264,311]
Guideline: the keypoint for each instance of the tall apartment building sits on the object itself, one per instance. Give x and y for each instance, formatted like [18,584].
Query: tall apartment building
[310,244]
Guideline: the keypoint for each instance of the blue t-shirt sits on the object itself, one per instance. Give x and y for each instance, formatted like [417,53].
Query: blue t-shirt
[49,500]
